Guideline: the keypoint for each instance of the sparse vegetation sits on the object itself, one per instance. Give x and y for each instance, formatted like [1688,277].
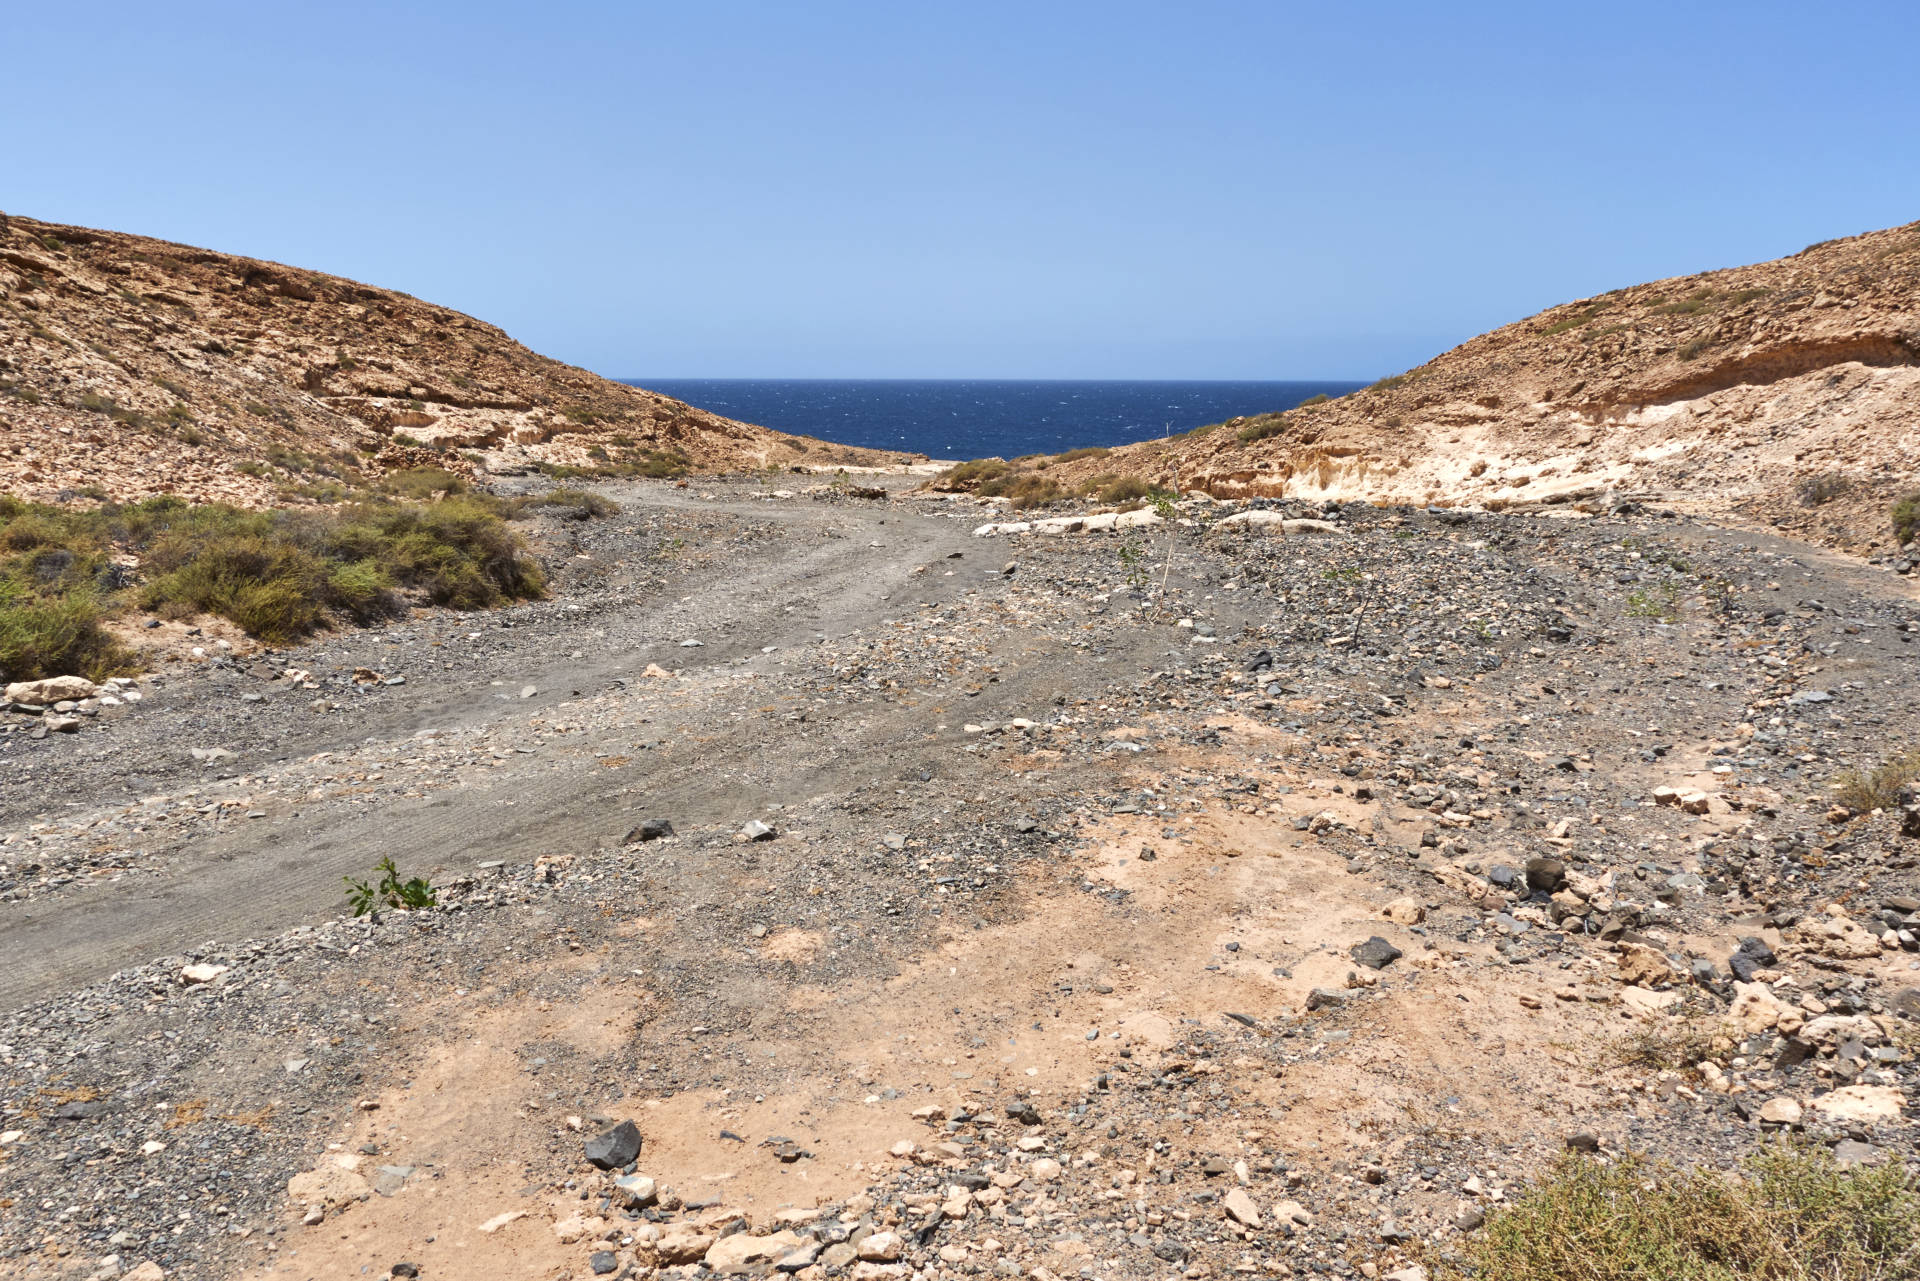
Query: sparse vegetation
[411,895]
[1024,489]
[277,575]
[422,484]
[1085,451]
[1693,348]
[1261,428]
[570,504]
[1906,519]
[1389,383]
[1660,603]
[1577,319]
[1676,1045]
[974,472]
[1879,787]
[1792,1214]
[1114,490]
[1815,491]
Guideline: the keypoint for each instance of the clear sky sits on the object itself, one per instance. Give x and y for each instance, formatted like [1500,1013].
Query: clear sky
[1034,189]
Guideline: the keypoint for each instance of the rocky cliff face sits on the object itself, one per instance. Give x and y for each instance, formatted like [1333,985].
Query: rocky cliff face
[131,367]
[1786,392]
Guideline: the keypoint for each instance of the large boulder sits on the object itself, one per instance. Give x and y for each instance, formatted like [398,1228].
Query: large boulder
[740,1251]
[1275,523]
[54,689]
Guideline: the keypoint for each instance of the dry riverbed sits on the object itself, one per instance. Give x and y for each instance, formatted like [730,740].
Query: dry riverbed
[1020,915]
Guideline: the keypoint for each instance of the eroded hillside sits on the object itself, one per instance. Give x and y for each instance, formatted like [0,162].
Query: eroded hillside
[1787,392]
[131,367]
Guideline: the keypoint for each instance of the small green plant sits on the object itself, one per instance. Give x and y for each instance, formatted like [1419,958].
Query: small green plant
[1661,603]
[1133,562]
[1389,383]
[1341,574]
[1906,519]
[1693,349]
[1261,428]
[411,895]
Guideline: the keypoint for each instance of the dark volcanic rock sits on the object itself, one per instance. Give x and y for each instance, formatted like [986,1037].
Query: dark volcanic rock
[617,1147]
[1376,953]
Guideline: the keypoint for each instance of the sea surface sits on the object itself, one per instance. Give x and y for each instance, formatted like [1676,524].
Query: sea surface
[982,419]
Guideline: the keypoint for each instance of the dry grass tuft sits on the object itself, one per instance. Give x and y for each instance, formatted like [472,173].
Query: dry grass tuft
[1792,1214]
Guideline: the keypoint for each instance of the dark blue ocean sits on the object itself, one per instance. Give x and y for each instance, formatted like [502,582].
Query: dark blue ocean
[981,419]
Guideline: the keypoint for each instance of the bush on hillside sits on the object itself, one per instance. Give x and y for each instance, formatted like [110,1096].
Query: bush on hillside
[1906,519]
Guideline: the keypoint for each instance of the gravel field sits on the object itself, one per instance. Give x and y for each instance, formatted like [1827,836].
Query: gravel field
[1202,897]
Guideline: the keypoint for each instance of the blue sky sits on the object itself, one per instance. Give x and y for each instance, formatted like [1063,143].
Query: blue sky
[1233,190]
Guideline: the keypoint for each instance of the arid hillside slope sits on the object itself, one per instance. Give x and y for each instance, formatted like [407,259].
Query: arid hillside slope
[131,367]
[1787,391]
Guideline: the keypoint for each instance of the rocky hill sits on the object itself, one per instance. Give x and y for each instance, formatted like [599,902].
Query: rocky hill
[131,367]
[1787,392]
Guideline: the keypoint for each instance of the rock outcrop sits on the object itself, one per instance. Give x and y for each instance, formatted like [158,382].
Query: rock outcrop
[1786,392]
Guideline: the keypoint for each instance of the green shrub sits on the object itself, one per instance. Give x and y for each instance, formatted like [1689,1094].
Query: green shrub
[1261,428]
[1124,489]
[1085,451]
[976,472]
[1906,519]
[662,464]
[1792,1215]
[277,575]
[422,483]
[61,635]
[1025,489]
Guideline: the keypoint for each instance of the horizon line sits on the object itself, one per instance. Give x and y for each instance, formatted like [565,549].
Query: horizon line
[906,378]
